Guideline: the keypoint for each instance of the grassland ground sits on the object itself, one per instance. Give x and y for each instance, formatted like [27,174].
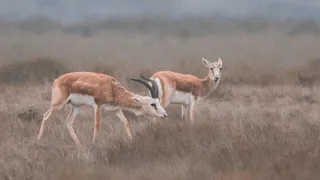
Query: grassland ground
[242,132]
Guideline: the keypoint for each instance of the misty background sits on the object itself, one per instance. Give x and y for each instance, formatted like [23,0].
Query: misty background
[161,34]
[78,10]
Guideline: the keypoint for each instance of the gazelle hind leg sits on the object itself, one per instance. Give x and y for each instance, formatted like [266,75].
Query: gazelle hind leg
[58,100]
[46,116]
[125,123]
[69,122]
[184,111]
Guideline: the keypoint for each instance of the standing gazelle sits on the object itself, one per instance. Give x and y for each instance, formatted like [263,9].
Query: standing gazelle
[99,91]
[185,89]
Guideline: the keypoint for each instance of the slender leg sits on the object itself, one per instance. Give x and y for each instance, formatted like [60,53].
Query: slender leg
[154,123]
[154,120]
[97,112]
[125,123]
[58,100]
[69,123]
[46,116]
[191,109]
[69,115]
[187,112]
[184,111]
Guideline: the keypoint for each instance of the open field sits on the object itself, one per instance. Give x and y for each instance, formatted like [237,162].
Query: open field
[262,122]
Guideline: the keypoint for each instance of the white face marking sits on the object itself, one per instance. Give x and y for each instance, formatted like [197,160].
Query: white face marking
[181,98]
[154,108]
[217,73]
[157,80]
[79,99]
[150,106]
[160,88]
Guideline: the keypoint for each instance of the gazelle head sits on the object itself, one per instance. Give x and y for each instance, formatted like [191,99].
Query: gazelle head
[215,69]
[150,105]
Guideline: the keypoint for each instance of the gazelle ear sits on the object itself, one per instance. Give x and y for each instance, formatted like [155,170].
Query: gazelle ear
[206,63]
[138,100]
[220,62]
[141,100]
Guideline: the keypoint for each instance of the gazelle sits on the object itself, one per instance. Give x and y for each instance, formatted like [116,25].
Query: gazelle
[99,91]
[185,89]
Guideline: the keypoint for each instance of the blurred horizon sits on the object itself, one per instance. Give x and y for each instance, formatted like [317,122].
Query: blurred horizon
[71,11]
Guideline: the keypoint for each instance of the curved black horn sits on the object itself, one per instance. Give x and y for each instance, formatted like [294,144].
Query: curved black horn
[154,86]
[147,85]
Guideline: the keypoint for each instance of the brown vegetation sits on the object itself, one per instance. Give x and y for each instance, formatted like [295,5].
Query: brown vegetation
[262,122]
[35,71]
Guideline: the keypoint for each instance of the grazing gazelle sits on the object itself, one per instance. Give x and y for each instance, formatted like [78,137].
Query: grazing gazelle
[99,91]
[185,89]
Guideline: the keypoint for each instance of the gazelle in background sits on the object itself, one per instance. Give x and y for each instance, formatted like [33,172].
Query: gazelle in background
[99,91]
[185,89]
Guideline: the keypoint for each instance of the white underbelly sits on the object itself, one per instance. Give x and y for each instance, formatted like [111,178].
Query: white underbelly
[79,99]
[181,98]
[106,107]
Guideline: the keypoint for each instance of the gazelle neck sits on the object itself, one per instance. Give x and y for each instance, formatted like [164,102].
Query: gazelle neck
[123,99]
[208,85]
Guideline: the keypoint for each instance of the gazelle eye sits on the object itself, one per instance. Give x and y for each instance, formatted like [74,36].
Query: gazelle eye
[220,69]
[211,69]
[154,105]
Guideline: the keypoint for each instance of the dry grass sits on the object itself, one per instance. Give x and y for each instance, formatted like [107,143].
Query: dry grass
[33,71]
[261,123]
[250,133]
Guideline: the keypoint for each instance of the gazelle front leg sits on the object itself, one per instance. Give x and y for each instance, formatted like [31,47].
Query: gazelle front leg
[97,116]
[154,120]
[125,123]
[191,108]
[69,123]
